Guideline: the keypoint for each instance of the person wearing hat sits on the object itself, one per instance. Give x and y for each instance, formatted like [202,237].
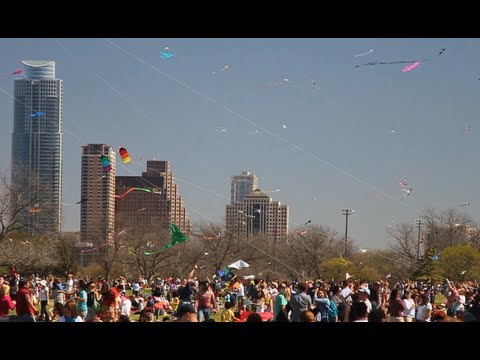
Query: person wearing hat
[363,296]
[186,312]
[43,297]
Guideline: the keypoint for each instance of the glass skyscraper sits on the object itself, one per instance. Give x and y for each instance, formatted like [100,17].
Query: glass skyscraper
[37,143]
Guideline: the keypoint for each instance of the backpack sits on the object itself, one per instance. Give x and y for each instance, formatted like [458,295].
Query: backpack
[332,311]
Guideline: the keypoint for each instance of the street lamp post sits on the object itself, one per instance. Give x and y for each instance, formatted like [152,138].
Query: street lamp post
[419,223]
[346,212]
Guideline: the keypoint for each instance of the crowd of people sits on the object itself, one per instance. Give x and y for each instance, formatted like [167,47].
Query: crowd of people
[235,300]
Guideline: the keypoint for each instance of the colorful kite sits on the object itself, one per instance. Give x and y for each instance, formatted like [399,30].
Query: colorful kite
[177,238]
[38,113]
[121,196]
[411,67]
[105,161]
[436,257]
[124,154]
[16,72]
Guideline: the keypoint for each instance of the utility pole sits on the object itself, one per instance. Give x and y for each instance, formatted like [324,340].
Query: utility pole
[419,223]
[346,212]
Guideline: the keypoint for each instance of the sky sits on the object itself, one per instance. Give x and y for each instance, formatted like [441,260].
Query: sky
[296,112]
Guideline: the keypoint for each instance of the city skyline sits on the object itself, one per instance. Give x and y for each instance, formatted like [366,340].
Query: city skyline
[298,113]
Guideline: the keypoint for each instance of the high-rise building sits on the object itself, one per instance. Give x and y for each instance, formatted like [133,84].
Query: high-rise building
[155,210]
[97,213]
[258,215]
[242,185]
[37,144]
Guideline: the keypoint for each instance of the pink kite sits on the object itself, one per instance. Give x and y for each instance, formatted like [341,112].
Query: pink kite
[411,67]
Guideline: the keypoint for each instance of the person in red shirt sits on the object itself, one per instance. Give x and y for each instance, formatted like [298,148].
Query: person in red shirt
[6,304]
[24,307]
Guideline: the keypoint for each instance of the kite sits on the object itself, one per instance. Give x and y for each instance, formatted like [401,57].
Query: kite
[150,244]
[222,69]
[410,67]
[387,63]
[258,211]
[34,210]
[16,72]
[177,237]
[165,55]
[436,257]
[388,276]
[156,191]
[463,272]
[221,129]
[94,248]
[369,52]
[206,254]
[467,129]
[348,276]
[122,232]
[284,126]
[403,184]
[124,154]
[392,131]
[441,51]
[140,210]
[83,200]
[38,113]
[270,191]
[121,196]
[105,161]
[465,203]
[308,222]
[407,191]
[213,237]
[363,251]
[240,264]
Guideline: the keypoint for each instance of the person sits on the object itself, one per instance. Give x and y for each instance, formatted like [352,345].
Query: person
[300,302]
[359,312]
[6,303]
[227,314]
[307,316]
[24,304]
[81,299]
[279,305]
[254,317]
[43,296]
[205,302]
[186,312]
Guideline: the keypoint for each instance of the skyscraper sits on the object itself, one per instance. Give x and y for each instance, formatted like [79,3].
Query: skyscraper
[97,214]
[37,143]
[258,215]
[153,211]
[242,185]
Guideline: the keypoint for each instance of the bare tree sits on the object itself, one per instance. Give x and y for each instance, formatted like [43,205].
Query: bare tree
[65,255]
[306,252]
[404,245]
[17,204]
[449,228]
[108,253]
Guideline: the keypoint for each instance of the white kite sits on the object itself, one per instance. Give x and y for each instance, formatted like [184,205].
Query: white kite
[347,276]
[465,203]
[240,264]
[369,52]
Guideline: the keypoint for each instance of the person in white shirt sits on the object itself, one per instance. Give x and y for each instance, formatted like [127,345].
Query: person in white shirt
[363,296]
[409,305]
[424,310]
[43,297]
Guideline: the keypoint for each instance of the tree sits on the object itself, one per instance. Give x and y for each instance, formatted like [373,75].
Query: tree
[305,252]
[448,228]
[17,204]
[457,262]
[65,255]
[404,246]
[108,253]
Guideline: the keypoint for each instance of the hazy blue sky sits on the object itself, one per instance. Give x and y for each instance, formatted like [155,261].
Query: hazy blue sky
[338,145]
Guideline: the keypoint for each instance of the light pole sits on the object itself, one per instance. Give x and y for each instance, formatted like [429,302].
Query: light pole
[346,212]
[419,223]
